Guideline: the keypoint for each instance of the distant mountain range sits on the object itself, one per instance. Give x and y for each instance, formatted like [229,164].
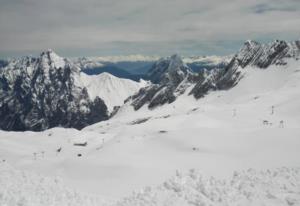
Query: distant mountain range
[171,76]
[114,70]
[38,93]
[135,67]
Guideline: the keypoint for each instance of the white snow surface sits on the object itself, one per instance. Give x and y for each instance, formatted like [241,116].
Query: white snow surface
[58,61]
[280,186]
[226,131]
[30,189]
[111,89]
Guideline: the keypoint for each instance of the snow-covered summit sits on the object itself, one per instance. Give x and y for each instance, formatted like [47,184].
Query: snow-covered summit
[173,76]
[48,91]
[168,69]
[252,54]
[111,89]
[41,92]
[254,124]
[51,58]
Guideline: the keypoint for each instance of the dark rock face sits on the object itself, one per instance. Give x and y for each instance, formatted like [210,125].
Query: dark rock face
[262,56]
[168,71]
[41,93]
[251,54]
[205,82]
[172,77]
[3,63]
[167,75]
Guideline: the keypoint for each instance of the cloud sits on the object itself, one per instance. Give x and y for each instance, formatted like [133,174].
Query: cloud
[278,6]
[106,27]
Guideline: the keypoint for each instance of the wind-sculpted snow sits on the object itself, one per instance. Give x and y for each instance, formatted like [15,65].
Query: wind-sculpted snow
[20,188]
[45,92]
[270,187]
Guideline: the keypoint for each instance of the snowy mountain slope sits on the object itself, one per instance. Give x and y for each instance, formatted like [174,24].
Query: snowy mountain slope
[226,131]
[169,86]
[27,188]
[111,89]
[272,187]
[254,124]
[49,91]
[252,54]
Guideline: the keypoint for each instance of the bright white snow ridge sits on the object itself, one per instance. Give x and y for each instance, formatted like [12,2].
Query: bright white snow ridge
[111,89]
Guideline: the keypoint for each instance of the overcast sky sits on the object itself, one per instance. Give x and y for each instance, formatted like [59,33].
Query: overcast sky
[159,27]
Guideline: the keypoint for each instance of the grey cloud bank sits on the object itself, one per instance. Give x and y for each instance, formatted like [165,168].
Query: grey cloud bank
[162,27]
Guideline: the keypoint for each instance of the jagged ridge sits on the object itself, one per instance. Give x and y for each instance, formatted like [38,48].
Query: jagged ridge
[251,54]
[44,92]
[171,76]
[167,74]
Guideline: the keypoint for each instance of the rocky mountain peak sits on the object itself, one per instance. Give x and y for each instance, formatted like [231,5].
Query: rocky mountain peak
[251,54]
[51,60]
[167,74]
[170,70]
[38,93]
[175,62]
[172,76]
[250,44]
